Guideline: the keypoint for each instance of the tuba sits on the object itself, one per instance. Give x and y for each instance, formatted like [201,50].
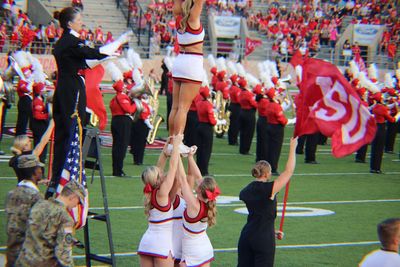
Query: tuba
[221,114]
[155,118]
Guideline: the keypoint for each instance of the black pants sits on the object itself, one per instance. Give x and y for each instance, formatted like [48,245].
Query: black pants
[377,147]
[362,153]
[24,114]
[311,146]
[233,130]
[121,133]
[205,133]
[257,249]
[262,145]
[190,133]
[139,132]
[169,105]
[275,133]
[391,132]
[3,117]
[300,144]
[38,128]
[246,128]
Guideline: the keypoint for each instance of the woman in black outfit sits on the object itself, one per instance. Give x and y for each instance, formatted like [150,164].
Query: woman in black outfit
[71,53]
[257,240]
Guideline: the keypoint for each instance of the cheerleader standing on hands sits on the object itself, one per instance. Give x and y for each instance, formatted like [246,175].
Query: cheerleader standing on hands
[187,70]
[155,248]
[200,213]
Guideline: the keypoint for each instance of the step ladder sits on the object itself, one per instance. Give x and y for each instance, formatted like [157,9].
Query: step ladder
[91,157]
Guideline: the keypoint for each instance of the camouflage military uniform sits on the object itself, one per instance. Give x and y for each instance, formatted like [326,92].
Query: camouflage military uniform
[49,239]
[18,205]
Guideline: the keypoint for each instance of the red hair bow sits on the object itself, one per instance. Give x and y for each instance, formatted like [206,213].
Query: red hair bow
[147,188]
[212,196]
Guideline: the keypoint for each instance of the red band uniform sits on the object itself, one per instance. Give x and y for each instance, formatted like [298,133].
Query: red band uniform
[234,108]
[382,115]
[121,109]
[205,130]
[139,132]
[24,90]
[247,118]
[40,120]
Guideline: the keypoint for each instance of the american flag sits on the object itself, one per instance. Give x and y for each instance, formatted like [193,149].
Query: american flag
[73,170]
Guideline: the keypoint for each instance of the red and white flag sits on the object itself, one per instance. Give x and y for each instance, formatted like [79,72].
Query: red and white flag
[251,45]
[329,104]
[94,97]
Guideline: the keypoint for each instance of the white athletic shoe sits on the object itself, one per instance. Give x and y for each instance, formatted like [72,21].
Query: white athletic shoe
[183,150]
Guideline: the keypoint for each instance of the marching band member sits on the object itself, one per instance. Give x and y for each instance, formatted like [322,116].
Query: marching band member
[247,118]
[24,90]
[275,131]
[155,248]
[261,127]
[121,110]
[362,151]
[70,53]
[40,120]
[199,214]
[391,127]
[188,65]
[141,124]
[205,130]
[213,70]
[381,113]
[234,108]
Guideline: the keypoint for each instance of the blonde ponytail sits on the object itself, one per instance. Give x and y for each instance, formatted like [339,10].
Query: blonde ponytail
[150,177]
[211,213]
[209,184]
[186,7]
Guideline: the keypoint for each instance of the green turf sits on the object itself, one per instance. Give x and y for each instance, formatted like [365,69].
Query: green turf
[347,181]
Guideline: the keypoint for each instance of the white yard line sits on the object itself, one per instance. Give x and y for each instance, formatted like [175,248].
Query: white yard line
[334,202]
[300,246]
[246,175]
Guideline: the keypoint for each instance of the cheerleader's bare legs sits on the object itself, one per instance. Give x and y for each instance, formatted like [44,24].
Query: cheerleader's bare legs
[182,97]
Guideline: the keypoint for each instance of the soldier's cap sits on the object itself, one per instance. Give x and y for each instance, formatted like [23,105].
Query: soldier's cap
[78,189]
[28,161]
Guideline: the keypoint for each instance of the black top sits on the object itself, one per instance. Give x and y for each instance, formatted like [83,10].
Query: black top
[13,163]
[71,53]
[262,210]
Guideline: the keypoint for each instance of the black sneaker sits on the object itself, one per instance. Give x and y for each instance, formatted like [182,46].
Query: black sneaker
[310,162]
[359,161]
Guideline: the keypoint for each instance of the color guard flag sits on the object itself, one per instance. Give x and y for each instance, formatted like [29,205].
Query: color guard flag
[329,104]
[251,44]
[73,170]
[94,97]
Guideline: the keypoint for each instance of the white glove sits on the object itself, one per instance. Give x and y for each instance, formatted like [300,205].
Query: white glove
[148,124]
[291,121]
[111,48]
[397,117]
[223,122]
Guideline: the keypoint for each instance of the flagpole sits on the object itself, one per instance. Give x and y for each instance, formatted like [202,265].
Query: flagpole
[51,154]
[280,235]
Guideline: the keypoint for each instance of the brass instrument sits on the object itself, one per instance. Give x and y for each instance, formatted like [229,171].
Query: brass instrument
[155,118]
[221,113]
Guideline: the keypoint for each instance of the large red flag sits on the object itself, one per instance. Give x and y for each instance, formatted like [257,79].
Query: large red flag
[94,97]
[251,44]
[329,104]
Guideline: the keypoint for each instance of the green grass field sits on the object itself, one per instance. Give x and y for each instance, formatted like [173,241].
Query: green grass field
[358,199]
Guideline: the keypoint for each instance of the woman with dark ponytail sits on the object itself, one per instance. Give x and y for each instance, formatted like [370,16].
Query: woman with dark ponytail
[71,53]
[257,240]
